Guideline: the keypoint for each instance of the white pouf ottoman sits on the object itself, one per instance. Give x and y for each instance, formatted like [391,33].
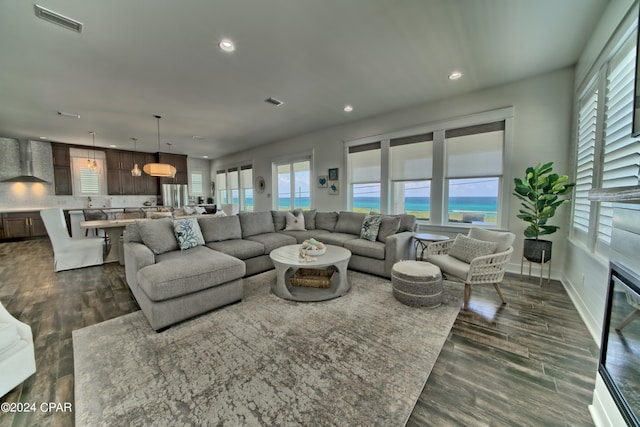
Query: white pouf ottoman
[417,283]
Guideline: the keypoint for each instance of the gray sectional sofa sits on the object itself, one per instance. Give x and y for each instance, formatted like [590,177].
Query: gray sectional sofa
[171,285]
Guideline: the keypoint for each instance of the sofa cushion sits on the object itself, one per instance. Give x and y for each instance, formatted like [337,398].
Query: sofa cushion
[370,227]
[239,248]
[503,240]
[131,234]
[349,222]
[272,241]
[466,248]
[8,337]
[309,219]
[184,272]
[407,222]
[295,221]
[279,219]
[188,233]
[301,236]
[388,226]
[338,239]
[366,248]
[217,228]
[326,221]
[158,235]
[253,223]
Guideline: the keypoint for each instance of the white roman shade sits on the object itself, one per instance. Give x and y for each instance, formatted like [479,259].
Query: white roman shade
[475,151]
[364,163]
[412,158]
[246,178]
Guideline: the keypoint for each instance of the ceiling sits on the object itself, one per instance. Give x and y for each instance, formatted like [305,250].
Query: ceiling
[135,59]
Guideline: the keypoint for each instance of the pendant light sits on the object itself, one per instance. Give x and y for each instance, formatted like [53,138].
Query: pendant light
[136,170]
[162,170]
[92,165]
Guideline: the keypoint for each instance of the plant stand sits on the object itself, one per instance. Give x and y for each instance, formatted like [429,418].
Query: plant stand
[542,264]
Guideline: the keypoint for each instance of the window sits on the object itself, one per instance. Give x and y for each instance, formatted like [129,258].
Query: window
[411,171]
[235,186]
[196,183]
[293,185]
[446,173]
[87,182]
[474,157]
[364,177]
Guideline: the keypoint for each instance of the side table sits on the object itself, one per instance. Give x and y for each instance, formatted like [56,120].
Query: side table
[423,240]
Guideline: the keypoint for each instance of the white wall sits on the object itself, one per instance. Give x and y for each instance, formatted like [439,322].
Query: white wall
[542,124]
[204,166]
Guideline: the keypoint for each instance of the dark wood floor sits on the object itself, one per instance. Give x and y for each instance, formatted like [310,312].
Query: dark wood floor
[529,363]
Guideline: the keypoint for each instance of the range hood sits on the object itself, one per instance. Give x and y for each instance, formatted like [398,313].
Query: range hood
[25,161]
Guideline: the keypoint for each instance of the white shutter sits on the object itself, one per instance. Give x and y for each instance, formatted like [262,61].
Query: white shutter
[89,181]
[196,183]
[621,158]
[587,116]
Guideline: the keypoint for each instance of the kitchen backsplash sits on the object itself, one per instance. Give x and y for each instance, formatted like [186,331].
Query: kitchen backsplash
[21,195]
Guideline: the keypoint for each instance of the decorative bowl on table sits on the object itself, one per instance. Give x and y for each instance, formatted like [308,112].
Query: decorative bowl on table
[312,247]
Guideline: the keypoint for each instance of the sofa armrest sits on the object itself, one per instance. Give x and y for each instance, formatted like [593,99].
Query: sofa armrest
[398,247]
[136,257]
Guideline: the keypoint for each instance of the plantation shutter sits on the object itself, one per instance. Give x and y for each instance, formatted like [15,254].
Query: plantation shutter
[587,116]
[621,158]
[89,181]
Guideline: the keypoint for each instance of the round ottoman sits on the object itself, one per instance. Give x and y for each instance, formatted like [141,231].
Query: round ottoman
[417,283]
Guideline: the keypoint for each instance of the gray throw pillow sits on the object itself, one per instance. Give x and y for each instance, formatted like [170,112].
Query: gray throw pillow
[407,222]
[253,223]
[309,219]
[370,227]
[349,222]
[466,248]
[158,235]
[279,219]
[326,221]
[388,226]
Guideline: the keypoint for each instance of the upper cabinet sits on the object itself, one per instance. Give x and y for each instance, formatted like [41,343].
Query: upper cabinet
[179,161]
[61,169]
[119,178]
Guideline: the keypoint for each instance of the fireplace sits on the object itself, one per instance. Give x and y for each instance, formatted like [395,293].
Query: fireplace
[619,364]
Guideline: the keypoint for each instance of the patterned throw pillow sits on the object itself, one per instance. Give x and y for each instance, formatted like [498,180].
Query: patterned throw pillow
[188,233]
[370,227]
[466,249]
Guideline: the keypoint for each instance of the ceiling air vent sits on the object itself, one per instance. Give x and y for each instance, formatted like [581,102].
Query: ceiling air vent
[273,101]
[56,18]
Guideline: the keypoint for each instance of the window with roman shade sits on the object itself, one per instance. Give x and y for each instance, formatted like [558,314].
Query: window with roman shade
[221,186]
[235,186]
[411,170]
[246,194]
[364,170]
[473,172]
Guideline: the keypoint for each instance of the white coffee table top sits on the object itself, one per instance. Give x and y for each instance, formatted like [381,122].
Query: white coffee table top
[290,255]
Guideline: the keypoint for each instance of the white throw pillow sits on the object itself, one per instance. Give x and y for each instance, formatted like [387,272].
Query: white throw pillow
[466,249]
[295,222]
[200,210]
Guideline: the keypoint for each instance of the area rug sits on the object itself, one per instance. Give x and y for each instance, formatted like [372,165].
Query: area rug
[361,359]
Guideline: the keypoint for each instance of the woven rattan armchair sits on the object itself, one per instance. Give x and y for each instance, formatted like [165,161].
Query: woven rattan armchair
[487,269]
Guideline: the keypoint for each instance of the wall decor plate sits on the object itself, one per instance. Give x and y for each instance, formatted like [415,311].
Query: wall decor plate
[260,184]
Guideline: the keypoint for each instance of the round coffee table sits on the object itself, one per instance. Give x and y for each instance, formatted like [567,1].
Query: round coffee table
[287,260]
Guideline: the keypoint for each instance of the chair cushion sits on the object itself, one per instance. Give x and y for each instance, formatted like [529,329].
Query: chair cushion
[388,226]
[370,227]
[350,222]
[219,228]
[239,248]
[503,240]
[466,248]
[158,235]
[272,241]
[188,233]
[326,221]
[366,248]
[450,265]
[253,223]
[8,337]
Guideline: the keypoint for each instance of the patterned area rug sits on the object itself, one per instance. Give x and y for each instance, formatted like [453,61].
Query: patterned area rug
[361,359]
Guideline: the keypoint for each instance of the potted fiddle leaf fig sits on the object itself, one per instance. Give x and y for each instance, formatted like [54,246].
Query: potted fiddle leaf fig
[541,192]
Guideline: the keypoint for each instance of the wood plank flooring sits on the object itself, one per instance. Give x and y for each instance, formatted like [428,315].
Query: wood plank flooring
[529,363]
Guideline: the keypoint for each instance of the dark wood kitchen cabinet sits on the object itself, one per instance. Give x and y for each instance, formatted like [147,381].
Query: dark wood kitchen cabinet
[179,161]
[61,170]
[119,178]
[23,224]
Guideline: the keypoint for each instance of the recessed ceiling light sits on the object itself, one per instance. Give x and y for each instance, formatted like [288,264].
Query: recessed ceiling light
[112,145]
[348,108]
[227,45]
[455,75]
[206,157]
[196,137]
[43,137]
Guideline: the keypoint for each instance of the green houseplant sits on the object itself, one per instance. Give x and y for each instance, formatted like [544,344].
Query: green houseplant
[541,192]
